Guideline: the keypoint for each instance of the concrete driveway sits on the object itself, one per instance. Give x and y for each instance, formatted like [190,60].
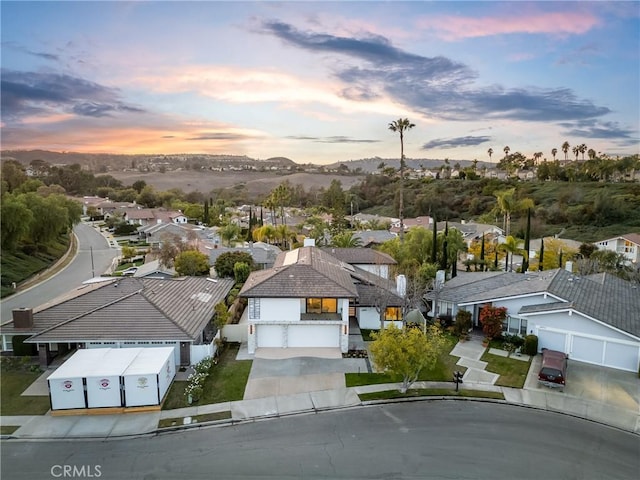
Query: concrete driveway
[590,382]
[276,377]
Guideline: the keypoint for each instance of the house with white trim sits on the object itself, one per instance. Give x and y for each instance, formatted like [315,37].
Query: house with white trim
[124,312]
[627,245]
[307,298]
[594,319]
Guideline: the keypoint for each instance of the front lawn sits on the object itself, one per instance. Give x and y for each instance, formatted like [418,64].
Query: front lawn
[429,392]
[441,372]
[12,384]
[226,382]
[513,373]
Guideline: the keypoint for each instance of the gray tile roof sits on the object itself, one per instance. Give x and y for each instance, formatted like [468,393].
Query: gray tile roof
[604,297]
[300,273]
[369,237]
[363,256]
[475,287]
[134,309]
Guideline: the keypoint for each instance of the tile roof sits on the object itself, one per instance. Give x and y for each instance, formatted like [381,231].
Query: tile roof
[603,296]
[360,255]
[304,272]
[133,309]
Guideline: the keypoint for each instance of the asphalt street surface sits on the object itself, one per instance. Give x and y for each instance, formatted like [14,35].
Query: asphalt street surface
[413,440]
[91,245]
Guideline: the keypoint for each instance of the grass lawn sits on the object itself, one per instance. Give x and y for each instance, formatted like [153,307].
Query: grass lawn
[513,373]
[226,382]
[12,384]
[207,417]
[441,372]
[7,429]
[429,392]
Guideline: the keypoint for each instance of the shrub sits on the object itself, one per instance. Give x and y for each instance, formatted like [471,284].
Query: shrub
[224,263]
[463,322]
[491,319]
[530,345]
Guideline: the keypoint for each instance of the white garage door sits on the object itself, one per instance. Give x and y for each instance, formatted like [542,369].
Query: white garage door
[552,340]
[585,349]
[326,336]
[624,357]
[269,335]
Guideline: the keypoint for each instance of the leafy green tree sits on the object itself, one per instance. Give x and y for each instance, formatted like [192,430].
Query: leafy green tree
[346,240]
[229,233]
[15,219]
[49,219]
[148,197]
[128,252]
[138,185]
[406,352]
[192,263]
[13,174]
[221,315]
[241,272]
[224,263]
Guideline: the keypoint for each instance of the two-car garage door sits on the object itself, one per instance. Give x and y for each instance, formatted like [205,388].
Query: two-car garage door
[599,351]
[306,336]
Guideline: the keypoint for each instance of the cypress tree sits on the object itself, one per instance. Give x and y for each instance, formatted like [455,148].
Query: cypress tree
[541,262]
[527,236]
[434,247]
[482,254]
[249,236]
[444,247]
[495,260]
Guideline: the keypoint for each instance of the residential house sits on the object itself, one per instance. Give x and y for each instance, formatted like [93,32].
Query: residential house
[594,319]
[125,312]
[148,216]
[307,298]
[370,238]
[154,269]
[263,254]
[373,261]
[627,245]
[424,222]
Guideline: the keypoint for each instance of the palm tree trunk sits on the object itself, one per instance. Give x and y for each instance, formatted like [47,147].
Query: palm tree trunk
[401,206]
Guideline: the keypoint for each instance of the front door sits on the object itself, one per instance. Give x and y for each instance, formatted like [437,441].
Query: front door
[185,353]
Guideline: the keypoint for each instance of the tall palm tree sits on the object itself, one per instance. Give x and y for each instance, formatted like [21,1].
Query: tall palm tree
[554,152]
[346,240]
[510,246]
[490,152]
[582,149]
[565,149]
[576,151]
[401,125]
[537,156]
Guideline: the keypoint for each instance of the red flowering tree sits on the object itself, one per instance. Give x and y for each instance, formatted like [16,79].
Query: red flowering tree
[491,319]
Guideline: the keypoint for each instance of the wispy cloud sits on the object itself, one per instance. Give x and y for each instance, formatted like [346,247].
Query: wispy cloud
[332,139]
[570,22]
[30,93]
[19,48]
[220,136]
[445,143]
[598,129]
[435,86]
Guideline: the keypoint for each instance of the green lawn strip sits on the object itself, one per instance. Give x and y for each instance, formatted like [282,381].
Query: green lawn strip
[206,417]
[12,385]
[226,382]
[513,373]
[441,372]
[7,429]
[429,392]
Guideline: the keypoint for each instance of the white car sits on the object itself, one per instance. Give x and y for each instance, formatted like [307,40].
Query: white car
[129,271]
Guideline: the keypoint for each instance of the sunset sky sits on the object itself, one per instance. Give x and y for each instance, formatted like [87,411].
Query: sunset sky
[319,82]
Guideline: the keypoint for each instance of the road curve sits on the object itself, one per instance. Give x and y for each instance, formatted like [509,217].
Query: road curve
[90,244]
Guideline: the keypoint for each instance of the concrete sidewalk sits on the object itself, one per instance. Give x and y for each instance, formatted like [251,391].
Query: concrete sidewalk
[625,416]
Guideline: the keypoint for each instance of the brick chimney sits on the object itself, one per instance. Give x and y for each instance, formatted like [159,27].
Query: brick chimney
[23,317]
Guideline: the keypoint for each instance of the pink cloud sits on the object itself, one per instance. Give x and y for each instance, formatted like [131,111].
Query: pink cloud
[554,23]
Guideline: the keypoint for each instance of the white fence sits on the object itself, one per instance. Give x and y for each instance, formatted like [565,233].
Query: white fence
[235,333]
[200,352]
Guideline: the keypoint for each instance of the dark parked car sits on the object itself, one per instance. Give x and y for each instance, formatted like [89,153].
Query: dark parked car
[553,372]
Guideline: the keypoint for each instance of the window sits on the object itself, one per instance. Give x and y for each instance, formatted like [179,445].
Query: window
[254,308]
[322,305]
[515,326]
[392,313]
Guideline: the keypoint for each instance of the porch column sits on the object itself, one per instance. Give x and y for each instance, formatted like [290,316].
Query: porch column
[44,354]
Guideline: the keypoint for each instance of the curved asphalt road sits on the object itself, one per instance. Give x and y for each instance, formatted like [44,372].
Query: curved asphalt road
[71,277]
[453,439]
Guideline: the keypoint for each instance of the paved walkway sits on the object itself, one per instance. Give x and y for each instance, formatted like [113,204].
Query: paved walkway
[625,416]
